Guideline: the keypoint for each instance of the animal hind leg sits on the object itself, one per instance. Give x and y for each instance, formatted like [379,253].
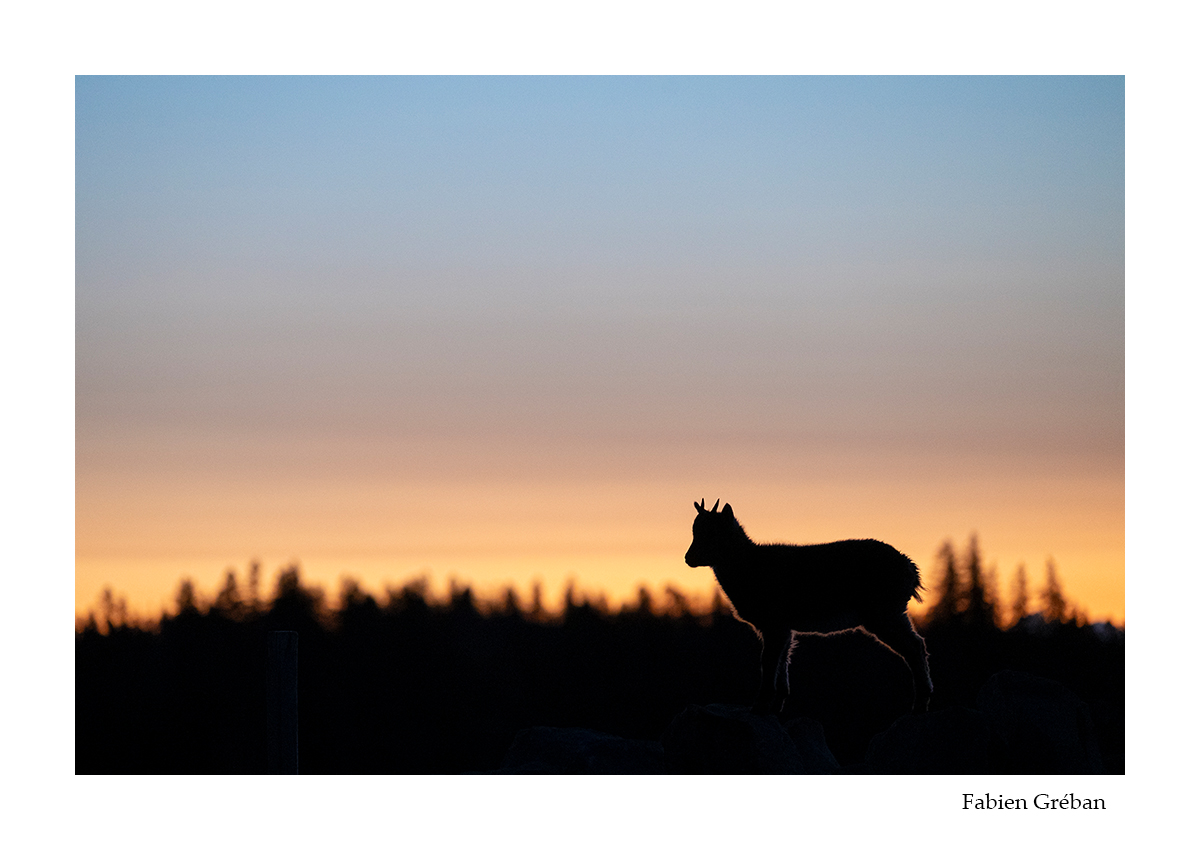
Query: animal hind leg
[774,688]
[899,634]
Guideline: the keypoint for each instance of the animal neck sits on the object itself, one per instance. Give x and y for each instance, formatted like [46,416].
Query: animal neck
[734,550]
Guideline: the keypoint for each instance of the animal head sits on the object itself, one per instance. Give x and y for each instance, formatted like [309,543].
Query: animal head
[713,534]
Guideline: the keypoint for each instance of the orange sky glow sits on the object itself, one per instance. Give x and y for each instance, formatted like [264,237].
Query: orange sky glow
[141,531]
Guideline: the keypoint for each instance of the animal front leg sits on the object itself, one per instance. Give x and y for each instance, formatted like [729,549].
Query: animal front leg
[774,688]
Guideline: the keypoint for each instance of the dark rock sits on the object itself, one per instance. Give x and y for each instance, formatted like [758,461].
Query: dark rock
[855,769]
[809,737]
[1042,726]
[953,741]
[1108,718]
[732,739]
[1024,724]
[852,684]
[544,749]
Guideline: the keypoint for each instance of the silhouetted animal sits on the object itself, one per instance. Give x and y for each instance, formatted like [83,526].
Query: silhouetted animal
[779,589]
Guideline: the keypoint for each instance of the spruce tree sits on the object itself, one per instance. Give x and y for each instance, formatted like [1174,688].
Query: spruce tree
[978,610]
[1020,595]
[1056,604]
[946,608]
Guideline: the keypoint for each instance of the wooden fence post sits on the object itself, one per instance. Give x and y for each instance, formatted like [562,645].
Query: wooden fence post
[283,741]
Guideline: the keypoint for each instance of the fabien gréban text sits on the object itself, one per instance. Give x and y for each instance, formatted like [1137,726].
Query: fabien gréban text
[1057,802]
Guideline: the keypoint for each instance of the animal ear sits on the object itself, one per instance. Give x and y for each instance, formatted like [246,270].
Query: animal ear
[726,510]
[699,507]
[716,504]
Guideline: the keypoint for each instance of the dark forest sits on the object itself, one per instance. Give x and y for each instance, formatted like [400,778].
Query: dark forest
[411,684]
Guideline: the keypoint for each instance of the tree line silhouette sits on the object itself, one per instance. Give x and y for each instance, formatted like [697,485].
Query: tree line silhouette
[412,684]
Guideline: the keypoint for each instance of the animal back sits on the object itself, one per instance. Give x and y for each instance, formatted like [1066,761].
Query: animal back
[821,583]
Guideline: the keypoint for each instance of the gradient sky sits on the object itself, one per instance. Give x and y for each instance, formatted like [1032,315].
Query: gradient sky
[508,329]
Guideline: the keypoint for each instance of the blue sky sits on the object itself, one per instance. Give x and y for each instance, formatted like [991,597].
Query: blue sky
[411,171]
[611,197]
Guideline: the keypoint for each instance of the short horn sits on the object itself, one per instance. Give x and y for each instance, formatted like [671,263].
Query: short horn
[699,506]
[716,505]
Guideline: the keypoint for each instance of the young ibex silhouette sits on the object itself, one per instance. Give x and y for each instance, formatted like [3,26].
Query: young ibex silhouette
[779,589]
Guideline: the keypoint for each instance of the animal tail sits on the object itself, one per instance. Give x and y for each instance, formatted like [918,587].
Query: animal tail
[917,586]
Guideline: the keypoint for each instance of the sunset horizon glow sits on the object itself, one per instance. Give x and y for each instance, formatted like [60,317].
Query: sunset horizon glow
[506,330]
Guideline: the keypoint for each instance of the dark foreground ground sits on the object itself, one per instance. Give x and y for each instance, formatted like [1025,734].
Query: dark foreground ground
[411,687]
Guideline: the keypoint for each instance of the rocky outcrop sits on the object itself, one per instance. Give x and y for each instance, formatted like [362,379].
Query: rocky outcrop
[955,741]
[1022,724]
[732,739]
[1042,726]
[545,749]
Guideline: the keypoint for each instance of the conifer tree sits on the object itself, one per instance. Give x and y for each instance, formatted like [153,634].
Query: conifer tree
[113,612]
[229,599]
[252,582]
[1052,597]
[978,608]
[185,598]
[1020,595]
[946,609]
